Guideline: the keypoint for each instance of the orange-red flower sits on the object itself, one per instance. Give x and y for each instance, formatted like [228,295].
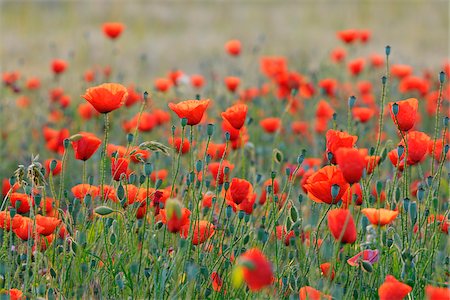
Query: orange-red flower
[26,202]
[192,110]
[353,195]
[197,81]
[86,145]
[351,163]
[174,220]
[236,115]
[348,36]
[392,289]
[217,282]
[327,271]
[401,71]
[406,115]
[217,170]
[59,66]
[309,293]
[46,225]
[356,66]
[203,230]
[270,125]
[418,143]
[364,35]
[80,191]
[380,217]
[437,293]
[106,97]
[15,294]
[22,227]
[320,185]
[233,47]
[283,235]
[176,143]
[342,226]
[113,29]
[232,83]
[339,139]
[338,54]
[57,168]
[119,166]
[363,114]
[240,195]
[162,84]
[257,270]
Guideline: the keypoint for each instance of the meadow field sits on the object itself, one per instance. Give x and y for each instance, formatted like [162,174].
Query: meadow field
[224,150]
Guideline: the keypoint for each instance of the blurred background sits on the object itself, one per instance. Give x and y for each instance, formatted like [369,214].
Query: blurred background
[172,34]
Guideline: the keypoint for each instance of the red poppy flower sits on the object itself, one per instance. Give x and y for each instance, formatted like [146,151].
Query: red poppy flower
[240,195]
[55,138]
[273,65]
[370,256]
[407,113]
[22,227]
[15,294]
[106,97]
[80,191]
[444,222]
[217,170]
[175,76]
[233,47]
[309,293]
[364,35]
[232,83]
[339,139]
[175,217]
[348,36]
[392,289]
[329,86]
[380,217]
[5,220]
[412,83]
[57,168]
[133,96]
[86,111]
[270,125]
[46,225]
[162,84]
[6,187]
[376,60]
[33,83]
[342,226]
[217,282]
[353,195]
[338,55]
[401,71]
[356,66]
[59,66]
[176,143]
[363,114]
[216,151]
[418,143]
[320,184]
[437,293]
[26,202]
[257,270]
[192,110]
[236,115]
[113,29]
[119,166]
[351,163]
[283,235]
[327,271]
[89,76]
[197,81]
[86,145]
[203,230]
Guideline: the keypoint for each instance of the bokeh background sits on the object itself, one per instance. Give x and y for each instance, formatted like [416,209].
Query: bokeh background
[190,35]
[177,33]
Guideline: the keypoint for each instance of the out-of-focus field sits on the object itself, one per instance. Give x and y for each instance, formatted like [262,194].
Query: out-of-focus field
[177,33]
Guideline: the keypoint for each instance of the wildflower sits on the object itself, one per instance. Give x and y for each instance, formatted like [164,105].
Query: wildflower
[392,289]
[255,269]
[236,115]
[380,217]
[113,29]
[342,226]
[106,97]
[192,110]
[320,185]
[86,145]
[233,47]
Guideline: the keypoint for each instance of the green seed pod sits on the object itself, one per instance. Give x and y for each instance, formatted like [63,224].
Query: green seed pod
[112,238]
[184,122]
[293,213]
[367,266]
[103,211]
[210,129]
[413,212]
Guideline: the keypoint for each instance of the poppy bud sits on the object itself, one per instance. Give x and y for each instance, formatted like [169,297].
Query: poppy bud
[210,129]
[199,165]
[446,147]
[130,138]
[400,150]
[413,212]
[367,266]
[351,101]
[228,211]
[429,180]
[66,143]
[383,80]
[335,190]
[294,213]
[227,136]
[395,109]
[300,159]
[406,203]
[145,95]
[148,169]
[442,77]
[445,121]
[103,210]
[420,193]
[387,50]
